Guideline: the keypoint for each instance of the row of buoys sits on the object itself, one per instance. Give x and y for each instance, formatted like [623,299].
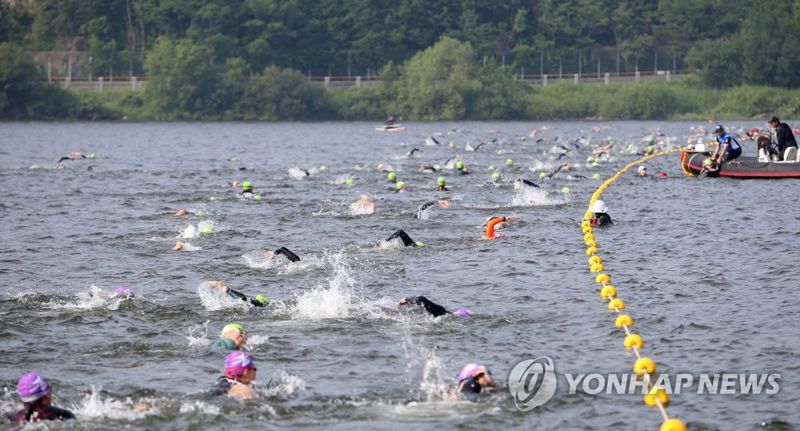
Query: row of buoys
[644,367]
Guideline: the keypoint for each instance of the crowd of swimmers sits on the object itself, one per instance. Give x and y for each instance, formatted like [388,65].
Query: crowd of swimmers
[474,382]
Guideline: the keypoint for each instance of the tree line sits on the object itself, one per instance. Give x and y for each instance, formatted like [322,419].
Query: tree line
[249,47]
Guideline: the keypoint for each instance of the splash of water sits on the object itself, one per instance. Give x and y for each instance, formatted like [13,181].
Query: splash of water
[94,406]
[214,300]
[424,370]
[531,196]
[333,301]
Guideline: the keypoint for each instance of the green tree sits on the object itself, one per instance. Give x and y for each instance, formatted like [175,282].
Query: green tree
[183,83]
[437,82]
[282,94]
[24,92]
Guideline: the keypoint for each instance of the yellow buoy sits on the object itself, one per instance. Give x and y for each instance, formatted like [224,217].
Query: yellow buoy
[602,278]
[623,320]
[644,365]
[595,260]
[656,393]
[672,425]
[591,251]
[590,243]
[616,304]
[607,291]
[598,267]
[633,340]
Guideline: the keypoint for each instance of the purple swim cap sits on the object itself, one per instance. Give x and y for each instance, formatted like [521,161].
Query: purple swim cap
[472,370]
[125,291]
[31,387]
[236,363]
[462,312]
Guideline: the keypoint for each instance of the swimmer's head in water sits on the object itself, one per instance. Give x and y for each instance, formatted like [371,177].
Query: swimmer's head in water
[400,185]
[440,181]
[420,244]
[595,176]
[262,299]
[451,144]
[391,176]
[31,387]
[509,162]
[349,181]
[232,327]
[178,246]
[459,164]
[542,175]
[462,312]
[125,291]
[599,207]
[708,162]
[472,370]
[92,156]
[247,186]
[496,176]
[237,363]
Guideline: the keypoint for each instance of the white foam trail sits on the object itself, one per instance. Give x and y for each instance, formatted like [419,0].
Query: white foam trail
[297,173]
[257,260]
[194,231]
[531,196]
[257,340]
[190,231]
[94,298]
[199,406]
[331,302]
[94,406]
[425,370]
[214,300]
[283,384]
[198,335]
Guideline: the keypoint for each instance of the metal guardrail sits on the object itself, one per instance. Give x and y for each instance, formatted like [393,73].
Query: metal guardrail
[138,83]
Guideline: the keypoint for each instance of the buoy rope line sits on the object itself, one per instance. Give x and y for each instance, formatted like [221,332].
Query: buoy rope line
[644,367]
[683,167]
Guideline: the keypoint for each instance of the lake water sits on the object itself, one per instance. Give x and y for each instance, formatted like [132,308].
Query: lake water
[707,267]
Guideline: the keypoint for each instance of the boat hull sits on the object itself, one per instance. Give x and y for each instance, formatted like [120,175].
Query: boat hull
[742,167]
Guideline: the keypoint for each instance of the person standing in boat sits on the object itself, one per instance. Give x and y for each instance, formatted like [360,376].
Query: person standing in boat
[784,138]
[728,148]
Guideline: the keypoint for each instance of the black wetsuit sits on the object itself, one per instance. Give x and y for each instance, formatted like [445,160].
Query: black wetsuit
[471,390]
[441,188]
[528,183]
[423,207]
[221,387]
[288,253]
[235,294]
[407,241]
[36,411]
[601,219]
[435,309]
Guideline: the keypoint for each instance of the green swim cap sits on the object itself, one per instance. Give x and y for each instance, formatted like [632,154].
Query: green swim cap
[232,326]
[400,185]
[459,165]
[207,228]
[708,162]
[349,181]
[565,189]
[495,176]
[596,176]
[261,298]
[420,244]
[542,175]
[509,162]
[257,197]
[91,156]
[391,176]
[440,181]
[246,185]
[451,144]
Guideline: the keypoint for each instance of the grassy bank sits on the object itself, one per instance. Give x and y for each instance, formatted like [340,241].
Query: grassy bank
[684,100]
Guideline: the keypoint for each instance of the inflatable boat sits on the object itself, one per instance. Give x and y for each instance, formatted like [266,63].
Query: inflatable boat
[745,167]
